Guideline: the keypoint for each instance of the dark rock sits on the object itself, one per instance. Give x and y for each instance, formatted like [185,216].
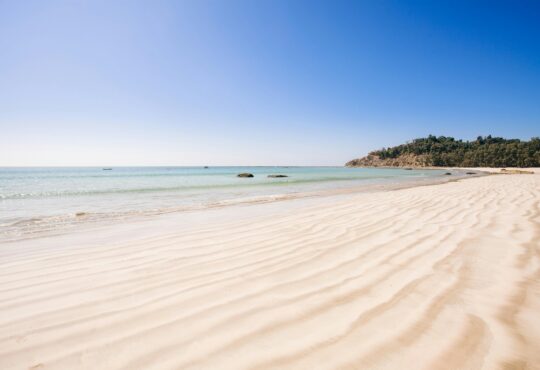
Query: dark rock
[244,175]
[276,176]
[448,173]
[408,169]
[470,173]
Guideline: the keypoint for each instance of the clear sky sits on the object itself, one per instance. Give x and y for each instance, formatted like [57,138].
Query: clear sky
[259,82]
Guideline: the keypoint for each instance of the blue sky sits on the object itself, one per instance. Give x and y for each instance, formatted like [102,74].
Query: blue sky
[259,82]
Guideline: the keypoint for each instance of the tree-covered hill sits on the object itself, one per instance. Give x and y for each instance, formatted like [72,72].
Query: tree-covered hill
[446,151]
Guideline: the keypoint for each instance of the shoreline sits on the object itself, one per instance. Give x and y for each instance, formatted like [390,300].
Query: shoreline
[85,220]
[38,227]
[480,169]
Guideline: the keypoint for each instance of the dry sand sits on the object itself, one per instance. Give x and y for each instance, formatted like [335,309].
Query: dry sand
[433,277]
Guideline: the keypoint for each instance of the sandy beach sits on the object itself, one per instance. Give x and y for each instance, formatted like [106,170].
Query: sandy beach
[432,277]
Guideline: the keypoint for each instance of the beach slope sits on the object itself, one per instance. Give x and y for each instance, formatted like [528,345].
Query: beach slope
[433,277]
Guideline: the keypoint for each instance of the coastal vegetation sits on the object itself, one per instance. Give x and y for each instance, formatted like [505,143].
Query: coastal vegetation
[485,151]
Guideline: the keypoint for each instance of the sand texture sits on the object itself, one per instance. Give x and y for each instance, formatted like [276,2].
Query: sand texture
[432,277]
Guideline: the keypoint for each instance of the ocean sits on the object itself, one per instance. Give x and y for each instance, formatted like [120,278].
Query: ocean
[37,200]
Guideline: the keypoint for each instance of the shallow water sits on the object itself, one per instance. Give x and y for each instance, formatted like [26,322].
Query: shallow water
[40,199]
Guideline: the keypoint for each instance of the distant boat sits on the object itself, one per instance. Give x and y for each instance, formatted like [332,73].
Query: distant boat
[107,169]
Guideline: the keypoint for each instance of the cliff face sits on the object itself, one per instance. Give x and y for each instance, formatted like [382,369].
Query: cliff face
[404,160]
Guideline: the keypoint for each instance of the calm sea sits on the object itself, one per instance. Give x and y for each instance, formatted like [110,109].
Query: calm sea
[40,199]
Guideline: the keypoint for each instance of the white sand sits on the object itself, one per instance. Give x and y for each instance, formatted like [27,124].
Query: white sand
[433,277]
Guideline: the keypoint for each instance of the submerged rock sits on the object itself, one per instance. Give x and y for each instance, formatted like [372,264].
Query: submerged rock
[448,173]
[276,176]
[470,173]
[244,175]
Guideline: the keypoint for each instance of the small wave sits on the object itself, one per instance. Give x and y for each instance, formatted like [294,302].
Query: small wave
[33,226]
[30,221]
[185,188]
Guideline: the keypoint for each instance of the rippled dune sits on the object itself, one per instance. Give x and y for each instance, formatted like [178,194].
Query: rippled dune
[432,277]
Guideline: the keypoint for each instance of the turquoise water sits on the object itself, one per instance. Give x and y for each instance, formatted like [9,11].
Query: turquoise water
[35,199]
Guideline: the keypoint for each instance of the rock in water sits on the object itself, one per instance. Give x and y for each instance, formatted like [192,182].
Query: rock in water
[277,176]
[244,175]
